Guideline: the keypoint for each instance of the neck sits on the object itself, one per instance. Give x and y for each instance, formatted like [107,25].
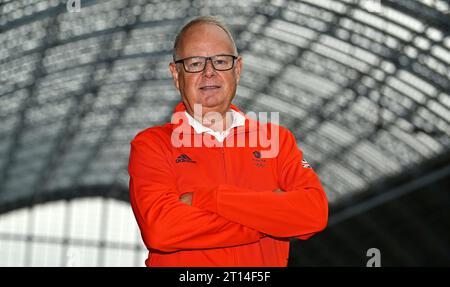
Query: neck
[216,121]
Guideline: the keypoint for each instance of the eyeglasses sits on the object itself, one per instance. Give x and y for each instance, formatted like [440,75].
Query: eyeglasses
[197,64]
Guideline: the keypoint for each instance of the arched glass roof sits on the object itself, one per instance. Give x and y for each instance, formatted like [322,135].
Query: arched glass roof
[364,85]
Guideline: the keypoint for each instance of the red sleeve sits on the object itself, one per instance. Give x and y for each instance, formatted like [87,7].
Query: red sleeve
[300,211]
[166,224]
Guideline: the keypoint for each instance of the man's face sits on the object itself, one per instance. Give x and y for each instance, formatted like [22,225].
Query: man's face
[214,90]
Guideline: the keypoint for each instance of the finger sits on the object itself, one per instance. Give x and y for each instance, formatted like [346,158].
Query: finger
[186,198]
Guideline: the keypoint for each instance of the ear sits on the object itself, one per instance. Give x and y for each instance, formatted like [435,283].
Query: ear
[238,68]
[174,72]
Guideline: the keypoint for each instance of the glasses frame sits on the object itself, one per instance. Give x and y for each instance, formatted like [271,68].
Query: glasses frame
[206,62]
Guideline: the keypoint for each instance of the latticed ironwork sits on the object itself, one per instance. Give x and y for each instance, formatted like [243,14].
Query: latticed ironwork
[365,88]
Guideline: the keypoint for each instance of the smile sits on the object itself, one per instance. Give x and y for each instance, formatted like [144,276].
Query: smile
[209,88]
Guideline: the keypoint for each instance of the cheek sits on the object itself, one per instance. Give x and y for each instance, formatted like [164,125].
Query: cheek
[231,82]
[188,86]
[192,84]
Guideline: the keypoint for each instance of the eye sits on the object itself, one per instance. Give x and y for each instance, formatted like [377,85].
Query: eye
[220,62]
[196,64]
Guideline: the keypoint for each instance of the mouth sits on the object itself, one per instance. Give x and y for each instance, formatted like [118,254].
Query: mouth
[209,87]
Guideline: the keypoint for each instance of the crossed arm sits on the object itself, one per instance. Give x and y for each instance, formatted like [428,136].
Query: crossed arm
[186,198]
[223,216]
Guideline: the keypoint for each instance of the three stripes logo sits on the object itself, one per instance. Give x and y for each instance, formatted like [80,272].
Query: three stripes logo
[184,158]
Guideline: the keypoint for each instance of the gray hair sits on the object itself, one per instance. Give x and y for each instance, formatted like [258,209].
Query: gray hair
[202,20]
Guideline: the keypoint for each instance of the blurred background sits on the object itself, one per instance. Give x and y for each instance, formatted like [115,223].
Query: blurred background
[363,84]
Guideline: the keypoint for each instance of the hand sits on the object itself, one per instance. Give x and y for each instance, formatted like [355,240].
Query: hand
[278,190]
[186,198]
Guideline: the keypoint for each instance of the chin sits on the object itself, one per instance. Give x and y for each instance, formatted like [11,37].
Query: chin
[212,101]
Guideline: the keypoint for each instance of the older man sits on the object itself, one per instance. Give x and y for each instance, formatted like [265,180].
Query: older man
[202,199]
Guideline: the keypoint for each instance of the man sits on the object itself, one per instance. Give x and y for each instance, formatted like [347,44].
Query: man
[202,199]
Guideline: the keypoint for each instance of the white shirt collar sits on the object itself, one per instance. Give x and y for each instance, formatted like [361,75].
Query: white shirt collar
[238,120]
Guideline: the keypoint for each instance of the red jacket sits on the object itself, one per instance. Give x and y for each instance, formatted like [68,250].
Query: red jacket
[235,219]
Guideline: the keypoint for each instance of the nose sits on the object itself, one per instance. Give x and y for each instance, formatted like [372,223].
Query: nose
[209,70]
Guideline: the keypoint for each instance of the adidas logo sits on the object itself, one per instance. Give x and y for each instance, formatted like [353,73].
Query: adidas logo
[184,158]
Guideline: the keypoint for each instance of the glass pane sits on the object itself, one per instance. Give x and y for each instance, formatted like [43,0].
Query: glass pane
[12,253]
[118,257]
[46,254]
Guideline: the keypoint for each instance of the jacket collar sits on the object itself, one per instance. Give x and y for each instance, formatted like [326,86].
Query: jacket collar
[249,124]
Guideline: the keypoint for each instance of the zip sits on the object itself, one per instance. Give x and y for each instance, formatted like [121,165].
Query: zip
[222,151]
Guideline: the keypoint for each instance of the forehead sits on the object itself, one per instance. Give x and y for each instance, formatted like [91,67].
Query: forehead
[204,40]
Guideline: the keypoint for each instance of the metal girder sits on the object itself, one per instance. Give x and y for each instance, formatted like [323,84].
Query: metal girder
[328,110]
[26,106]
[383,193]
[107,191]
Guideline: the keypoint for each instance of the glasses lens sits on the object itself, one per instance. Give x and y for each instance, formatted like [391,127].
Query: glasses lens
[222,62]
[195,64]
